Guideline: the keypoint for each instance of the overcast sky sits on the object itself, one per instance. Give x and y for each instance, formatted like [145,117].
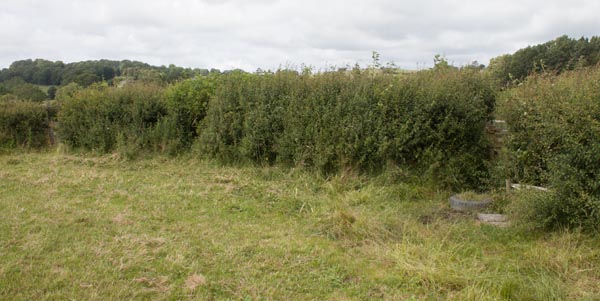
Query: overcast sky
[251,34]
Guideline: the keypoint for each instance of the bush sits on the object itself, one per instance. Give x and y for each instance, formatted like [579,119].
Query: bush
[221,131]
[24,91]
[554,125]
[186,104]
[101,118]
[433,120]
[437,120]
[23,124]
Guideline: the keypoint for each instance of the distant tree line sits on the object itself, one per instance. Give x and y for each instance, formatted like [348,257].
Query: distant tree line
[48,73]
[38,79]
[556,56]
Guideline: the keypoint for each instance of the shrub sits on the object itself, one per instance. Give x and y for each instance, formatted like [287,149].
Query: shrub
[99,117]
[24,91]
[23,124]
[554,125]
[221,131]
[67,91]
[438,121]
[186,104]
[433,120]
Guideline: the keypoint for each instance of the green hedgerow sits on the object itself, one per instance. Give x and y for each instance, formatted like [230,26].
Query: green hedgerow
[554,140]
[24,124]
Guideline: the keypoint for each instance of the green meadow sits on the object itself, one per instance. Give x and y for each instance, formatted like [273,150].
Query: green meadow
[99,227]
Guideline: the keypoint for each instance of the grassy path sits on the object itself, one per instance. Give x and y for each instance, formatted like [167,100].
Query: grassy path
[97,228]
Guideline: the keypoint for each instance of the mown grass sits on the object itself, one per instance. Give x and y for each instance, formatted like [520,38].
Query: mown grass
[78,227]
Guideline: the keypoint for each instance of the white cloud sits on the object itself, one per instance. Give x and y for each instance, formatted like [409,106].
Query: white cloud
[270,33]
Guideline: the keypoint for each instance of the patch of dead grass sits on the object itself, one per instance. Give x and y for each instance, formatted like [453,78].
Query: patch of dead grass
[195,280]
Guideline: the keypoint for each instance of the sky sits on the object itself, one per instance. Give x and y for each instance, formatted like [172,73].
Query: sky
[268,34]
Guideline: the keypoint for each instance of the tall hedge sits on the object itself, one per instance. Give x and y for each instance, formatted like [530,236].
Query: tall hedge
[24,124]
[554,125]
[186,103]
[431,121]
[363,119]
[103,118]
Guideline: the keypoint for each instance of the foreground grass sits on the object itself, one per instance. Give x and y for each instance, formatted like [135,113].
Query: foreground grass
[79,228]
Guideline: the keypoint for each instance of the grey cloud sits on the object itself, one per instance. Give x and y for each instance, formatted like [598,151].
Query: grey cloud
[271,33]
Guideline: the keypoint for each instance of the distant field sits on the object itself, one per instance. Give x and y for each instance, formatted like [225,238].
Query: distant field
[99,228]
[43,88]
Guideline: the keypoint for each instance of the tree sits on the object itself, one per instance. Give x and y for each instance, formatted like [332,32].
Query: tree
[3,90]
[499,68]
[67,91]
[441,64]
[23,90]
[51,92]
[558,55]
[86,79]
[375,57]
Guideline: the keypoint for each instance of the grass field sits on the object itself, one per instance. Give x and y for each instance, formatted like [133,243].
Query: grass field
[99,228]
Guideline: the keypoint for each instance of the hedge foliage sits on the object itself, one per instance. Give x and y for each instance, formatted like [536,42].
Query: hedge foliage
[433,120]
[103,118]
[134,118]
[554,124]
[187,103]
[24,124]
